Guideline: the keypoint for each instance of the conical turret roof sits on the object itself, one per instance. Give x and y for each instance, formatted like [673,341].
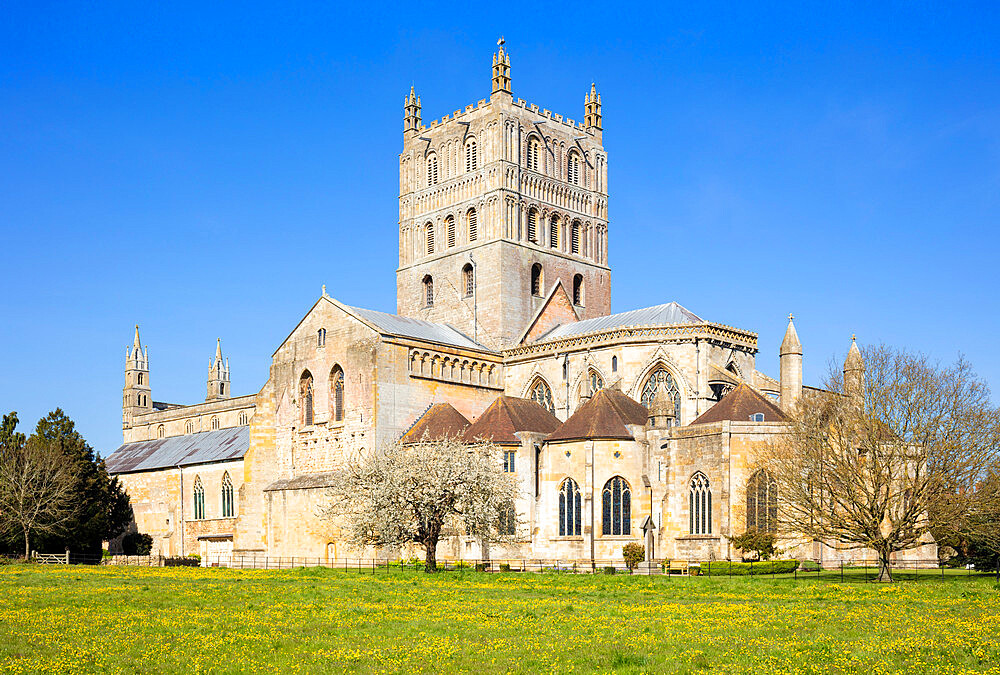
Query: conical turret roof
[440,421]
[508,415]
[791,344]
[605,416]
[854,361]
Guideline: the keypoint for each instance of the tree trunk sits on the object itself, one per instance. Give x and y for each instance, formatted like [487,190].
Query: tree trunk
[884,571]
[27,545]
[430,559]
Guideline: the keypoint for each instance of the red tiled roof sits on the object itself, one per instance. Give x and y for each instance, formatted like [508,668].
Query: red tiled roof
[604,416]
[506,416]
[440,421]
[738,405]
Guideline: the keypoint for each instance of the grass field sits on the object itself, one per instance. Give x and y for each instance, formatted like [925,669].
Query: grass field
[82,619]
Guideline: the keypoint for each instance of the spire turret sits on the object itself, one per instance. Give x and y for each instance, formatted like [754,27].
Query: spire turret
[136,397]
[218,375]
[854,371]
[592,118]
[790,360]
[411,112]
[501,70]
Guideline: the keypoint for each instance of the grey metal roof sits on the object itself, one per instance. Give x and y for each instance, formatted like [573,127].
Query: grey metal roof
[658,315]
[417,328]
[201,448]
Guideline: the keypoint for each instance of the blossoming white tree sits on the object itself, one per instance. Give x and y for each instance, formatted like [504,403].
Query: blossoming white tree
[402,494]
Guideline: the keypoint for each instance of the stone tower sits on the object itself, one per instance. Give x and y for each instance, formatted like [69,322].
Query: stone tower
[136,398]
[497,202]
[218,375]
[790,366]
[854,373]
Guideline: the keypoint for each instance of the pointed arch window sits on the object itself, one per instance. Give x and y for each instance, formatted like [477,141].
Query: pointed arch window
[227,496]
[199,499]
[653,382]
[428,291]
[321,337]
[471,160]
[473,224]
[337,394]
[429,237]
[306,397]
[554,232]
[573,169]
[243,419]
[614,364]
[578,289]
[570,509]
[189,427]
[160,431]
[215,423]
[534,154]
[533,226]
[140,378]
[595,381]
[536,279]
[762,502]
[432,169]
[469,280]
[616,503]
[542,395]
[507,520]
[700,511]
[574,242]
[449,224]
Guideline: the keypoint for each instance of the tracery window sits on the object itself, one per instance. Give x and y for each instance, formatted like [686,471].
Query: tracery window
[449,224]
[616,502]
[542,395]
[215,423]
[534,154]
[700,512]
[243,420]
[570,509]
[574,241]
[536,279]
[469,279]
[140,378]
[337,393]
[533,226]
[554,232]
[573,169]
[428,291]
[653,382]
[227,496]
[507,521]
[189,427]
[762,502]
[471,163]
[199,499]
[432,169]
[429,237]
[306,396]
[473,224]
[595,380]
[578,289]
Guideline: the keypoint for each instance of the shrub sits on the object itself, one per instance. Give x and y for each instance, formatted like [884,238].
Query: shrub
[181,562]
[195,556]
[505,567]
[137,543]
[609,570]
[634,554]
[723,567]
[755,541]
[482,567]
[810,566]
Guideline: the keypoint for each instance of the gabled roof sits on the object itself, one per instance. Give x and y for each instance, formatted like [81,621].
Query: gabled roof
[739,404]
[419,329]
[201,448]
[508,415]
[547,314]
[604,416]
[659,315]
[440,421]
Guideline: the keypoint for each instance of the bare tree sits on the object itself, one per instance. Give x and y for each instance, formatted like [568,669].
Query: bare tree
[402,494]
[36,485]
[891,452]
[981,527]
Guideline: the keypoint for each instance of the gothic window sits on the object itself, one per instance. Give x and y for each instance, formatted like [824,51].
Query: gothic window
[449,224]
[306,397]
[533,226]
[473,224]
[534,154]
[140,378]
[700,513]
[199,499]
[574,242]
[429,237]
[507,521]
[469,279]
[321,337]
[554,232]
[227,496]
[542,395]
[189,427]
[536,279]
[762,502]
[573,169]
[432,169]
[653,382]
[570,511]
[215,423]
[595,380]
[159,431]
[337,394]
[428,291]
[614,364]
[243,419]
[578,289]
[470,155]
[222,387]
[616,501]
[508,460]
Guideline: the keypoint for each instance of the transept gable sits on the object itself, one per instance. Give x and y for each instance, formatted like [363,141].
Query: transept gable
[556,310]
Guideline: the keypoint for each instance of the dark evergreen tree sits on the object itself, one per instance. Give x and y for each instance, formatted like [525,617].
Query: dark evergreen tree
[104,509]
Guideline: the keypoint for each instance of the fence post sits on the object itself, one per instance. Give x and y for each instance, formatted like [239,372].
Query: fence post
[841,571]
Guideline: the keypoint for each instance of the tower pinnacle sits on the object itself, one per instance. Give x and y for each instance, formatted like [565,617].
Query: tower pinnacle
[501,70]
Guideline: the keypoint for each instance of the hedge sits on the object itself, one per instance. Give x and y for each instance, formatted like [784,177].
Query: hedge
[724,567]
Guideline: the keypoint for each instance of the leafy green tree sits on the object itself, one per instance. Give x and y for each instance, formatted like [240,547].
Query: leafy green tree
[103,509]
[758,542]
[633,554]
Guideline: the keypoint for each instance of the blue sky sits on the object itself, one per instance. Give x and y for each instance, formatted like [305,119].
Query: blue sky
[164,165]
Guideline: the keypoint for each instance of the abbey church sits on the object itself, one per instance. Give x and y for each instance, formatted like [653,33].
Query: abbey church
[631,427]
